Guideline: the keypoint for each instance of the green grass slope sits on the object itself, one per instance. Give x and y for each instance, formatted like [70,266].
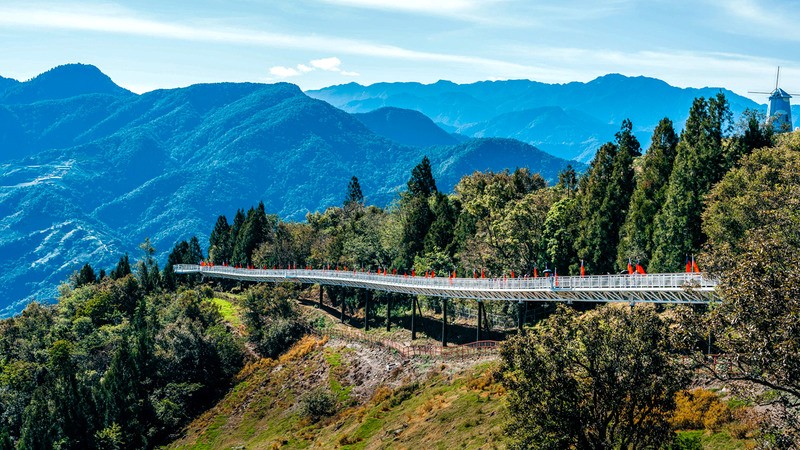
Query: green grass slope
[381,402]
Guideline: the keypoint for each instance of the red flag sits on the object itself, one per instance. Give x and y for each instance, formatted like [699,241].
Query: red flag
[583,270]
[694,266]
[454,274]
[535,273]
[433,274]
[555,274]
[512,274]
[483,274]
[413,272]
[640,269]
[688,265]
[630,267]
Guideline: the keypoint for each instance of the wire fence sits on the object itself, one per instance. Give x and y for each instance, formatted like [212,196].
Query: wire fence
[497,321]
[472,350]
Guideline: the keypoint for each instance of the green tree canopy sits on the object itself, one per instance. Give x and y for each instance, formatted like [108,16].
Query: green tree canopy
[603,379]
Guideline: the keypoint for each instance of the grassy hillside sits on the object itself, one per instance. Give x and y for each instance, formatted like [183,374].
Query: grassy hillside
[381,402]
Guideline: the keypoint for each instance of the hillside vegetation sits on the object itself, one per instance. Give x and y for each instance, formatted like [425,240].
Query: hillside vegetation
[379,401]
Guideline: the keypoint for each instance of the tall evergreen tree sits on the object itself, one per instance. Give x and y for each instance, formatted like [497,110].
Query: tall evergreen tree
[568,180]
[700,161]
[85,276]
[122,269]
[416,212]
[421,183]
[236,230]
[354,194]
[149,274]
[195,254]
[636,238]
[440,234]
[605,196]
[255,230]
[219,243]
[595,223]
[122,395]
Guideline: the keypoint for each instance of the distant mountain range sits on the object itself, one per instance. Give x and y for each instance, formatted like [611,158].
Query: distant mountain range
[89,169]
[567,120]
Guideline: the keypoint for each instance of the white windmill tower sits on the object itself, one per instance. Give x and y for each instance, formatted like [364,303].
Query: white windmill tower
[779,113]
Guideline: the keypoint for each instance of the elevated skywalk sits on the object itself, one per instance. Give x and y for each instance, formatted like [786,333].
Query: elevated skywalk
[675,288]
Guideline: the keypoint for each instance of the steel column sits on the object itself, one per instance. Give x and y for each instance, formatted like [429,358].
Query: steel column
[366,309]
[479,336]
[444,322]
[413,317]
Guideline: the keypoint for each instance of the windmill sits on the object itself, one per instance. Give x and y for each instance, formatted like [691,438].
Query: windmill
[779,113]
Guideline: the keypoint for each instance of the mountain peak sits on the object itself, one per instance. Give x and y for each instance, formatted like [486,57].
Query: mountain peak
[64,81]
[405,126]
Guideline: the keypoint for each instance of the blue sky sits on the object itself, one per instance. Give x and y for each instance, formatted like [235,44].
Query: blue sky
[147,44]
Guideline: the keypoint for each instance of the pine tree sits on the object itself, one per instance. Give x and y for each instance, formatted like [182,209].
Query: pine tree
[440,234]
[606,195]
[700,161]
[122,269]
[354,194]
[122,394]
[422,183]
[636,239]
[195,254]
[219,243]
[417,216]
[236,230]
[256,229]
[85,276]
[568,180]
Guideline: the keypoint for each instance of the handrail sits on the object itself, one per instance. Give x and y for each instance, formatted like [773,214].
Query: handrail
[653,288]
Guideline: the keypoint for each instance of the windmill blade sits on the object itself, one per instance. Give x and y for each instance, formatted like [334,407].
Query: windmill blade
[777,77]
[759,92]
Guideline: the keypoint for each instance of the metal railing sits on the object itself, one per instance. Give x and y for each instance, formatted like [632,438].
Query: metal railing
[635,288]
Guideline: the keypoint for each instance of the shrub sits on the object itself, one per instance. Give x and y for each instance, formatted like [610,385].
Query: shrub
[318,404]
[278,336]
[699,409]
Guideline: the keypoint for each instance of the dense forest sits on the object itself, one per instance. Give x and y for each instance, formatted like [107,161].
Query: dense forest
[126,358]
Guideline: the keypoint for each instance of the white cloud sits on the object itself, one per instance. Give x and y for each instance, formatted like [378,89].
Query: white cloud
[330,64]
[760,18]
[283,72]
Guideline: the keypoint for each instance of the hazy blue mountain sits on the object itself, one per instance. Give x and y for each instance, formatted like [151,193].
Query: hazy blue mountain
[65,81]
[405,126]
[6,83]
[571,134]
[87,177]
[592,112]
[495,154]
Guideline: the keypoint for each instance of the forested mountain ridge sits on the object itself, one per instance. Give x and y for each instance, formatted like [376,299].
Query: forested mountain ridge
[405,126]
[584,114]
[88,169]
